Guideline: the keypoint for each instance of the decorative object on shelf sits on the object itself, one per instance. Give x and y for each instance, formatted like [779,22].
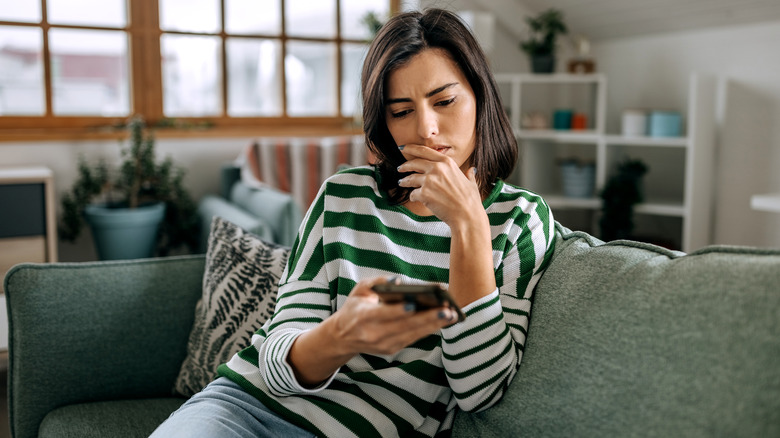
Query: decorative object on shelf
[634,123]
[583,63]
[665,124]
[540,46]
[622,191]
[578,177]
[579,122]
[535,120]
[562,119]
[140,211]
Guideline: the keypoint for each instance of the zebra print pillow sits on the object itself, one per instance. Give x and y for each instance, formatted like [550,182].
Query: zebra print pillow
[239,294]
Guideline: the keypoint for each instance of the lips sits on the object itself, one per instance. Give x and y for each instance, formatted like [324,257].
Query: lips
[441,149]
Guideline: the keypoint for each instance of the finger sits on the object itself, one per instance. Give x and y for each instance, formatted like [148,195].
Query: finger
[412,151]
[412,180]
[472,174]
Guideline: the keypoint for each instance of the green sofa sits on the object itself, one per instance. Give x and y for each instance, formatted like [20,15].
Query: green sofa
[626,339]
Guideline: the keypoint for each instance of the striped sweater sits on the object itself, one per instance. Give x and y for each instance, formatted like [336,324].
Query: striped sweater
[350,233]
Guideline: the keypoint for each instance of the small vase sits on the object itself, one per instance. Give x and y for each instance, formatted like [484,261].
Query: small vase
[543,63]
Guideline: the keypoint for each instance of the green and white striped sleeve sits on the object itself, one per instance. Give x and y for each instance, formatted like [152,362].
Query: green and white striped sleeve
[481,355]
[303,302]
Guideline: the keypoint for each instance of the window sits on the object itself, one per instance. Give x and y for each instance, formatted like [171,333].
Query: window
[81,64]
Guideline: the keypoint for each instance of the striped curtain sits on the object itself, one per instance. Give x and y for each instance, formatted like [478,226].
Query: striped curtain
[299,165]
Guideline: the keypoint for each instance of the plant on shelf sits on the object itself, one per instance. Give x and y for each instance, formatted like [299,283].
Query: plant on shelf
[140,197]
[540,45]
[620,194]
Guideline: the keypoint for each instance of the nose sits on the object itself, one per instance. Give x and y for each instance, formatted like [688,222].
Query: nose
[427,123]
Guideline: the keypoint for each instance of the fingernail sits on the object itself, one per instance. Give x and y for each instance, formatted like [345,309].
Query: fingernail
[400,148]
[399,181]
[393,279]
[443,315]
[409,306]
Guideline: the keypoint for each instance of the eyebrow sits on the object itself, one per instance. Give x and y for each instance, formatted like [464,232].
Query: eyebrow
[428,94]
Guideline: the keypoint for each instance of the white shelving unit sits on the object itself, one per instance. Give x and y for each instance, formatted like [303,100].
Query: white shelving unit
[679,182]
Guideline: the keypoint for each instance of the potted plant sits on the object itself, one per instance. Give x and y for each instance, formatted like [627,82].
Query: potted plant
[140,210]
[373,23]
[620,194]
[540,46]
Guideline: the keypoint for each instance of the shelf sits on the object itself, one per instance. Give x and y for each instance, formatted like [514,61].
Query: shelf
[560,201]
[661,208]
[766,202]
[555,78]
[620,140]
[585,136]
[658,208]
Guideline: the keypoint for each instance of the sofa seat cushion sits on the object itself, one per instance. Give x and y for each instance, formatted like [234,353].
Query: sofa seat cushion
[629,339]
[109,419]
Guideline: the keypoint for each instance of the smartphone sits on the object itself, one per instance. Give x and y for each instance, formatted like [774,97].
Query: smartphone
[425,296]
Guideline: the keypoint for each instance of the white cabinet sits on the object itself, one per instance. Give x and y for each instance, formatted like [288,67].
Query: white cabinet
[678,186]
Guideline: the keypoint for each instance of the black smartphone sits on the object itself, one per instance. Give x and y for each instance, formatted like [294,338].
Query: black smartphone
[425,296]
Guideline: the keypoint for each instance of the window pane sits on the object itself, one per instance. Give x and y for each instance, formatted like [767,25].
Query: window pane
[190,15]
[109,13]
[254,79]
[253,17]
[310,72]
[309,18]
[191,75]
[15,10]
[89,72]
[21,71]
[353,12]
[352,56]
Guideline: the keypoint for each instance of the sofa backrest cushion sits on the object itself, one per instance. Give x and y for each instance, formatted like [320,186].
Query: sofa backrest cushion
[629,339]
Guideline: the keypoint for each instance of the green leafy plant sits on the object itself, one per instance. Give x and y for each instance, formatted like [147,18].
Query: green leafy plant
[620,194]
[373,22]
[139,180]
[544,29]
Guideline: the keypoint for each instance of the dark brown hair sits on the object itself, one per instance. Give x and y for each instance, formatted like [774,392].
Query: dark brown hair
[401,38]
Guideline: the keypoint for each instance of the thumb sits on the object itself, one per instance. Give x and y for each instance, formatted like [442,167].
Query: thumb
[472,174]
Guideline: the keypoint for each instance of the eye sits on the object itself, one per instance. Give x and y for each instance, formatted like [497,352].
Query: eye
[445,102]
[400,114]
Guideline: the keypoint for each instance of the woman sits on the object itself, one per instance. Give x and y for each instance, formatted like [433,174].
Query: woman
[334,360]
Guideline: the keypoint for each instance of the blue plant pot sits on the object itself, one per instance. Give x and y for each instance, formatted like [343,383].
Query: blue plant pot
[125,233]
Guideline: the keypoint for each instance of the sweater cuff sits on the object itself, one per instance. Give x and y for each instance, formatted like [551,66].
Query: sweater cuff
[477,312]
[277,372]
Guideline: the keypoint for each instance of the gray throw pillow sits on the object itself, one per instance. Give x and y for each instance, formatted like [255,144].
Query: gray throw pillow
[239,294]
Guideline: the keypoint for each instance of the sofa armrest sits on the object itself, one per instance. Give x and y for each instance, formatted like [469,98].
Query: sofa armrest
[211,206]
[82,332]
[275,207]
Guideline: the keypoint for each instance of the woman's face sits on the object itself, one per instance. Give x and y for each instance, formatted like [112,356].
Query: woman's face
[430,102]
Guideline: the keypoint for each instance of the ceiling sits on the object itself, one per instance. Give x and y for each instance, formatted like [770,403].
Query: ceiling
[604,19]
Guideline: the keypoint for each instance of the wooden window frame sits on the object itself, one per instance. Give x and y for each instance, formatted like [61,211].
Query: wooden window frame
[146,95]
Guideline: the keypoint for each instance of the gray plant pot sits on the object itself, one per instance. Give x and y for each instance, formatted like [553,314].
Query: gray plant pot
[578,180]
[543,63]
[125,233]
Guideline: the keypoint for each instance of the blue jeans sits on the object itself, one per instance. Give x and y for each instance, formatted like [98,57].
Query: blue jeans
[224,410]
